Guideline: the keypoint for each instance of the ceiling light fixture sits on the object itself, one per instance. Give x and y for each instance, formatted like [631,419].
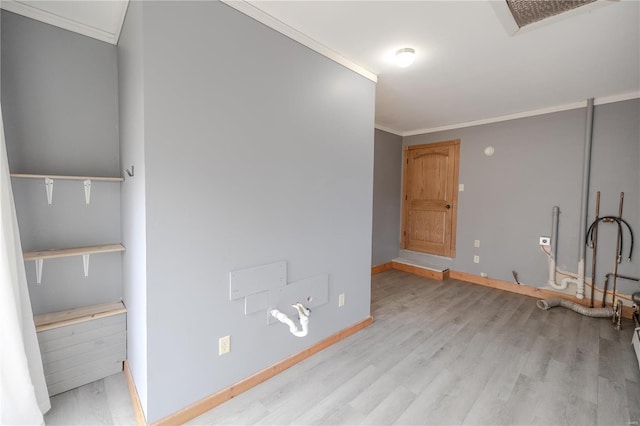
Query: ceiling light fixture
[405,57]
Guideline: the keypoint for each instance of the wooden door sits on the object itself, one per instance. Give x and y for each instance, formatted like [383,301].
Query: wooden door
[430,198]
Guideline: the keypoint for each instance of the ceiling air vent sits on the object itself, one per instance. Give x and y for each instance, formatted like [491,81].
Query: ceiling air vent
[519,16]
[527,12]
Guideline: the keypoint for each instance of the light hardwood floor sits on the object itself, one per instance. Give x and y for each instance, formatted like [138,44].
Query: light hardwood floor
[447,353]
[104,402]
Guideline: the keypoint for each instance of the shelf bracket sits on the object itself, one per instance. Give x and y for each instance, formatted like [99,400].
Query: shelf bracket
[85,263]
[87,191]
[48,184]
[39,263]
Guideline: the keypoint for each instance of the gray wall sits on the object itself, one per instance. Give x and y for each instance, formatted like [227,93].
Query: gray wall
[387,174]
[615,169]
[256,150]
[134,260]
[60,106]
[60,100]
[508,198]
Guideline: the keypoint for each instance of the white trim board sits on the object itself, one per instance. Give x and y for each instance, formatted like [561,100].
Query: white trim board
[279,26]
[32,12]
[422,265]
[541,111]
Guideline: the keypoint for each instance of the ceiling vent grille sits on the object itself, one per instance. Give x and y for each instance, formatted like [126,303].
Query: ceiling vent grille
[527,12]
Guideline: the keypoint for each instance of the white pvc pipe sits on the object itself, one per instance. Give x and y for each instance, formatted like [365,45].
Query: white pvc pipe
[566,281]
[552,279]
[284,318]
[580,280]
[554,251]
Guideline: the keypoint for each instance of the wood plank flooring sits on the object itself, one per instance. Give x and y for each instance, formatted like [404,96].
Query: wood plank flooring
[103,402]
[447,353]
[455,353]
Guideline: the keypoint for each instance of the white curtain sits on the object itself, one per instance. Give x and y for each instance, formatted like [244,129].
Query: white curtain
[23,391]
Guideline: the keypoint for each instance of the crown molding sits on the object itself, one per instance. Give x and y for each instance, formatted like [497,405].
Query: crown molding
[548,110]
[279,26]
[388,130]
[29,11]
[616,98]
[123,15]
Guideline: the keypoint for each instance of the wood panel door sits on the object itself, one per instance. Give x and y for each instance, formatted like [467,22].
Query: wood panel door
[430,198]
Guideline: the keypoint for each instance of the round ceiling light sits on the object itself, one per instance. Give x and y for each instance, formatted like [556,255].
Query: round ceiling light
[405,57]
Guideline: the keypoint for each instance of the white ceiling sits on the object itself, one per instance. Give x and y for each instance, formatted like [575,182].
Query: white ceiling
[468,67]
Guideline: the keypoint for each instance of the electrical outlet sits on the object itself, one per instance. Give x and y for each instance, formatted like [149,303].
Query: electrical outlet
[341,300]
[545,241]
[224,345]
[476,243]
[476,259]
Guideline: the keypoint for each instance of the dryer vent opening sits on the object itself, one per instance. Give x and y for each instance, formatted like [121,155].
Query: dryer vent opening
[527,12]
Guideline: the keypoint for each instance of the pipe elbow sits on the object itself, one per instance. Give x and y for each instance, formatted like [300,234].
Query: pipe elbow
[303,311]
[304,323]
[563,284]
[293,329]
[555,285]
[279,315]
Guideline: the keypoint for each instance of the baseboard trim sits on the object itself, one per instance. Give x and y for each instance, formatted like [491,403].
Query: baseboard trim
[135,399]
[539,293]
[381,268]
[212,401]
[422,272]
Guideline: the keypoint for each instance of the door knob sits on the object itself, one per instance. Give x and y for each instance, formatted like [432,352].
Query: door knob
[448,206]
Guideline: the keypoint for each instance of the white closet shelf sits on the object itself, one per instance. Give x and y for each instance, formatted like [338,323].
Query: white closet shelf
[73,251]
[65,177]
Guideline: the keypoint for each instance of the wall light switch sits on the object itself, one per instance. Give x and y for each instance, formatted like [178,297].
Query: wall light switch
[341,300]
[461,187]
[476,243]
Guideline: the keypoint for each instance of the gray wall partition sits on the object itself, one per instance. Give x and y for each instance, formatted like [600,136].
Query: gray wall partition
[508,197]
[133,208]
[60,100]
[256,150]
[60,107]
[615,169]
[387,173]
